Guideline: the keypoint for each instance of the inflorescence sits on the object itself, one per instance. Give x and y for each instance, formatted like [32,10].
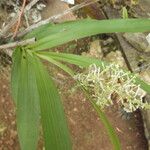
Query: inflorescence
[109,84]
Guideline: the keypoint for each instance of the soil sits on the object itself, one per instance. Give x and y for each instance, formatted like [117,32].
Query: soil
[8,134]
[87,131]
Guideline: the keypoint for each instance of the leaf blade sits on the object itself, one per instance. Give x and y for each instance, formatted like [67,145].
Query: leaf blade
[53,119]
[15,75]
[68,31]
[110,130]
[27,112]
[58,64]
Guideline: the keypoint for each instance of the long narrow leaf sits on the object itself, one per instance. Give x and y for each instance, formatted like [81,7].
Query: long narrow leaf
[58,64]
[110,130]
[55,129]
[59,34]
[27,100]
[78,60]
[15,73]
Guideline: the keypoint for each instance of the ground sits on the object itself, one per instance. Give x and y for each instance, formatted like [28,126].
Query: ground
[86,129]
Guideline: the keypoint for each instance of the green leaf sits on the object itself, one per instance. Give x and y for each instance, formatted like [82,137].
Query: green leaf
[58,64]
[41,31]
[78,60]
[85,62]
[15,75]
[27,100]
[110,130]
[54,124]
[124,13]
[61,33]
[145,86]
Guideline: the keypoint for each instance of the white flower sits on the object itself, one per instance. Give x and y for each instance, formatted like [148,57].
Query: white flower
[107,82]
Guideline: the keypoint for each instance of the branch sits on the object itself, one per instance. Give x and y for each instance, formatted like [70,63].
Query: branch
[30,5]
[19,18]
[17,43]
[52,18]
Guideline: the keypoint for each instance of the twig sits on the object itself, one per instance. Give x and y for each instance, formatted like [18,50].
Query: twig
[30,5]
[14,20]
[9,26]
[52,18]
[17,43]
[19,18]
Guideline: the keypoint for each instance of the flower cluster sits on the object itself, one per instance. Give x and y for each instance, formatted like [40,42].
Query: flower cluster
[109,85]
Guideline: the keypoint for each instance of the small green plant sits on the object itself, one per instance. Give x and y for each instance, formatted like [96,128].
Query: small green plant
[36,96]
[124,13]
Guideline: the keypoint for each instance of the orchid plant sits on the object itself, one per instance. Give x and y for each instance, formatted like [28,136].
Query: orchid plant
[36,97]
